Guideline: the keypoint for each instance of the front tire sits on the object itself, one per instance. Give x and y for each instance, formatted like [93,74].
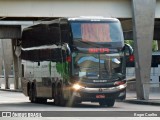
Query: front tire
[109,102]
[59,97]
[56,97]
[122,97]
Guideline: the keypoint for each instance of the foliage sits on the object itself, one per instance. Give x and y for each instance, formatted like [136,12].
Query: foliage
[154,44]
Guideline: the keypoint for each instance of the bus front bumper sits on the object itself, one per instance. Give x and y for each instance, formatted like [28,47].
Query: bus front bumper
[98,94]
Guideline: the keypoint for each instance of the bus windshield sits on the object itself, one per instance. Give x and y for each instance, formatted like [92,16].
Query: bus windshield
[97,66]
[96,31]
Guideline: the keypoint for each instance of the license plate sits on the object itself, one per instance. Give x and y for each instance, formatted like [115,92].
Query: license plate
[100,96]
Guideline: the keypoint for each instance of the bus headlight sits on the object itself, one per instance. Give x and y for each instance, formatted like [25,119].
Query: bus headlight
[77,87]
[121,86]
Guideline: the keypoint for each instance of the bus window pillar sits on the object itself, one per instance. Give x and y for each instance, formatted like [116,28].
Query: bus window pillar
[158,42]
[143,27]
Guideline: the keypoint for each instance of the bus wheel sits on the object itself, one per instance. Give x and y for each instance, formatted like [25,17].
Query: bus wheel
[109,102]
[32,95]
[61,97]
[121,98]
[56,96]
[102,103]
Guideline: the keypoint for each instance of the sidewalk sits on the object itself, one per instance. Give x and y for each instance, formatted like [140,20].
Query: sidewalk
[154,99]
[11,90]
[2,88]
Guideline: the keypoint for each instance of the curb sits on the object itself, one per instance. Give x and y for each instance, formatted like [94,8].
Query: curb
[143,102]
[11,90]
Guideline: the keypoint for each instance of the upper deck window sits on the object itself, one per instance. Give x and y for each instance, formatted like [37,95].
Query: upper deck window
[96,31]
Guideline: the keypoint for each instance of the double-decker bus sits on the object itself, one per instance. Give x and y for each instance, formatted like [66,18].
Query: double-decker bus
[154,73]
[71,60]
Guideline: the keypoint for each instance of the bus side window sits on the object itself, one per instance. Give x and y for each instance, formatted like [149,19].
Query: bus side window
[155,60]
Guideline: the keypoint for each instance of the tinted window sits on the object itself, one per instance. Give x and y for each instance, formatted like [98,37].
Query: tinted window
[96,31]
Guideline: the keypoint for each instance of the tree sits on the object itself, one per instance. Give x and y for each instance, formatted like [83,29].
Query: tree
[154,44]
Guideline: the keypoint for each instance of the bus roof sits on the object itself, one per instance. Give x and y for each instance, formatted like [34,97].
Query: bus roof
[82,18]
[92,18]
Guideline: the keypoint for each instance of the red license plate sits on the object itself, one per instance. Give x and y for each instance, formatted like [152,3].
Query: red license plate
[100,96]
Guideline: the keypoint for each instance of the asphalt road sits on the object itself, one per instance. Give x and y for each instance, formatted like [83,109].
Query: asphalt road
[16,101]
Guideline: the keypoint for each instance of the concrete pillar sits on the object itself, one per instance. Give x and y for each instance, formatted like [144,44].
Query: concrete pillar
[7,60]
[15,64]
[10,32]
[1,60]
[5,66]
[143,27]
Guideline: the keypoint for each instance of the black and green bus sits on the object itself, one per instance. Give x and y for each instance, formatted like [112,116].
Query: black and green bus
[72,60]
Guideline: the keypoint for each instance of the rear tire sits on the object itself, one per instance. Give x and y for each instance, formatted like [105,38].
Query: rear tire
[32,94]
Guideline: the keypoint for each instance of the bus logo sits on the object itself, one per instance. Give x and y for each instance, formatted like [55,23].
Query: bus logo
[100,90]
[99,80]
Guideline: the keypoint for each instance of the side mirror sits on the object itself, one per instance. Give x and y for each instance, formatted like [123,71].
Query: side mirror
[129,52]
[128,48]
